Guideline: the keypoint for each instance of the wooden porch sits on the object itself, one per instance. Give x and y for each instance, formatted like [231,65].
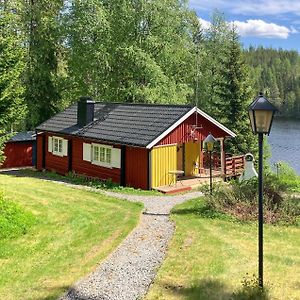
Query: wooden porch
[187,183]
[232,167]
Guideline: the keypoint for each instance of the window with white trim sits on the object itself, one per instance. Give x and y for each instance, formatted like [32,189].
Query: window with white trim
[101,155]
[57,146]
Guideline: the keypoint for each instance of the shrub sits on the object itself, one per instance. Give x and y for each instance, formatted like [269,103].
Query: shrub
[251,290]
[288,177]
[240,200]
[14,220]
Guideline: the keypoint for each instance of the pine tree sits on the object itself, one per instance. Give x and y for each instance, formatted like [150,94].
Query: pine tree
[12,105]
[225,85]
[214,56]
[42,31]
[237,94]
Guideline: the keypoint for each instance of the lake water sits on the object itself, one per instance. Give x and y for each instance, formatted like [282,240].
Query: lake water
[284,140]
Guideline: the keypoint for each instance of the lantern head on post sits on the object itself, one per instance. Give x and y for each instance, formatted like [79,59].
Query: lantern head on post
[261,113]
[209,142]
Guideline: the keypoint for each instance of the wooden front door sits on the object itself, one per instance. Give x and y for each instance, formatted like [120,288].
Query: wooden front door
[192,158]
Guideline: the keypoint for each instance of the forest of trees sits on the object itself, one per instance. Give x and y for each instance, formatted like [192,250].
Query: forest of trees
[52,52]
[277,74]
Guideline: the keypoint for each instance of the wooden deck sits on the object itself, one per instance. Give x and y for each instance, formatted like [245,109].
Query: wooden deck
[189,183]
[234,166]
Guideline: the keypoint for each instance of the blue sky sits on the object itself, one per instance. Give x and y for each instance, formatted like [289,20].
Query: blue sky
[271,23]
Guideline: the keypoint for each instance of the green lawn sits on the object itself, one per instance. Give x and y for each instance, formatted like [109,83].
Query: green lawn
[210,254]
[73,231]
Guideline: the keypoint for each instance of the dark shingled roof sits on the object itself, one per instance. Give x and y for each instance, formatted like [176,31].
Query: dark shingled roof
[120,123]
[23,136]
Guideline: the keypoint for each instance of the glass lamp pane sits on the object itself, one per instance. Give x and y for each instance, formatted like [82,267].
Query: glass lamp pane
[252,121]
[263,120]
[210,146]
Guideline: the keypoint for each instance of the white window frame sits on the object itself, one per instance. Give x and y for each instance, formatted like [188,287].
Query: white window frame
[104,149]
[60,141]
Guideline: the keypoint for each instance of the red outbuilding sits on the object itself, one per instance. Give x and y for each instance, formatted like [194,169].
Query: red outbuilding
[19,150]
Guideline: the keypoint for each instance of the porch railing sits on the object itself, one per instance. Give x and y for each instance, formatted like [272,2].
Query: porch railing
[234,166]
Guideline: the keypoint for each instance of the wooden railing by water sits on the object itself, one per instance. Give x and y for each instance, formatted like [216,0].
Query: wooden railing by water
[234,166]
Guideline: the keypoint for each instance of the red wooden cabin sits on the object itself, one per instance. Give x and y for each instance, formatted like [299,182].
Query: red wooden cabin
[131,144]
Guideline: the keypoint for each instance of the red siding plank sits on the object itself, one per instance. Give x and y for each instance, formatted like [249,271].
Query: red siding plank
[18,154]
[136,167]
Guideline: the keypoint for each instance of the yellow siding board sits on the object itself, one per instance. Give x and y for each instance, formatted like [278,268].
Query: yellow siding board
[163,160]
[192,158]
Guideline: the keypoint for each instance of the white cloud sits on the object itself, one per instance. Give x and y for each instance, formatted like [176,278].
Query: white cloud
[204,24]
[258,28]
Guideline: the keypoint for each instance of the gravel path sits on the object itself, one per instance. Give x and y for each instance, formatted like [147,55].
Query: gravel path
[128,272]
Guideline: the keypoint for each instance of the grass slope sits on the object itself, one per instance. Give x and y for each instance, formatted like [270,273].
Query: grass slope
[210,254]
[73,231]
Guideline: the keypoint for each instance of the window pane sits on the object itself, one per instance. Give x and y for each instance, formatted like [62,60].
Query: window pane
[60,146]
[102,154]
[96,153]
[108,156]
[55,145]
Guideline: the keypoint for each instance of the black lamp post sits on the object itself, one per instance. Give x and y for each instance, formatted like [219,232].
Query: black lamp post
[261,113]
[209,142]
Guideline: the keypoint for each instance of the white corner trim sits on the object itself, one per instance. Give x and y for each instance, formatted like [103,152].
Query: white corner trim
[211,119]
[165,133]
[183,118]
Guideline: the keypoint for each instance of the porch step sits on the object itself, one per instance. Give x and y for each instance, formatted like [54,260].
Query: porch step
[173,189]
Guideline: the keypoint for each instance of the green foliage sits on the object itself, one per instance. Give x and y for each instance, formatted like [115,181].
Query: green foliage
[41,27]
[288,177]
[14,220]
[12,105]
[277,74]
[130,51]
[240,200]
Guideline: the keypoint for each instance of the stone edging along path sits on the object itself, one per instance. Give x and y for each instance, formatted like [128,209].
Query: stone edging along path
[127,273]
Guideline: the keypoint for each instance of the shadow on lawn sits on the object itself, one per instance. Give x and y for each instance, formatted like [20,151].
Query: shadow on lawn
[201,209]
[211,289]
